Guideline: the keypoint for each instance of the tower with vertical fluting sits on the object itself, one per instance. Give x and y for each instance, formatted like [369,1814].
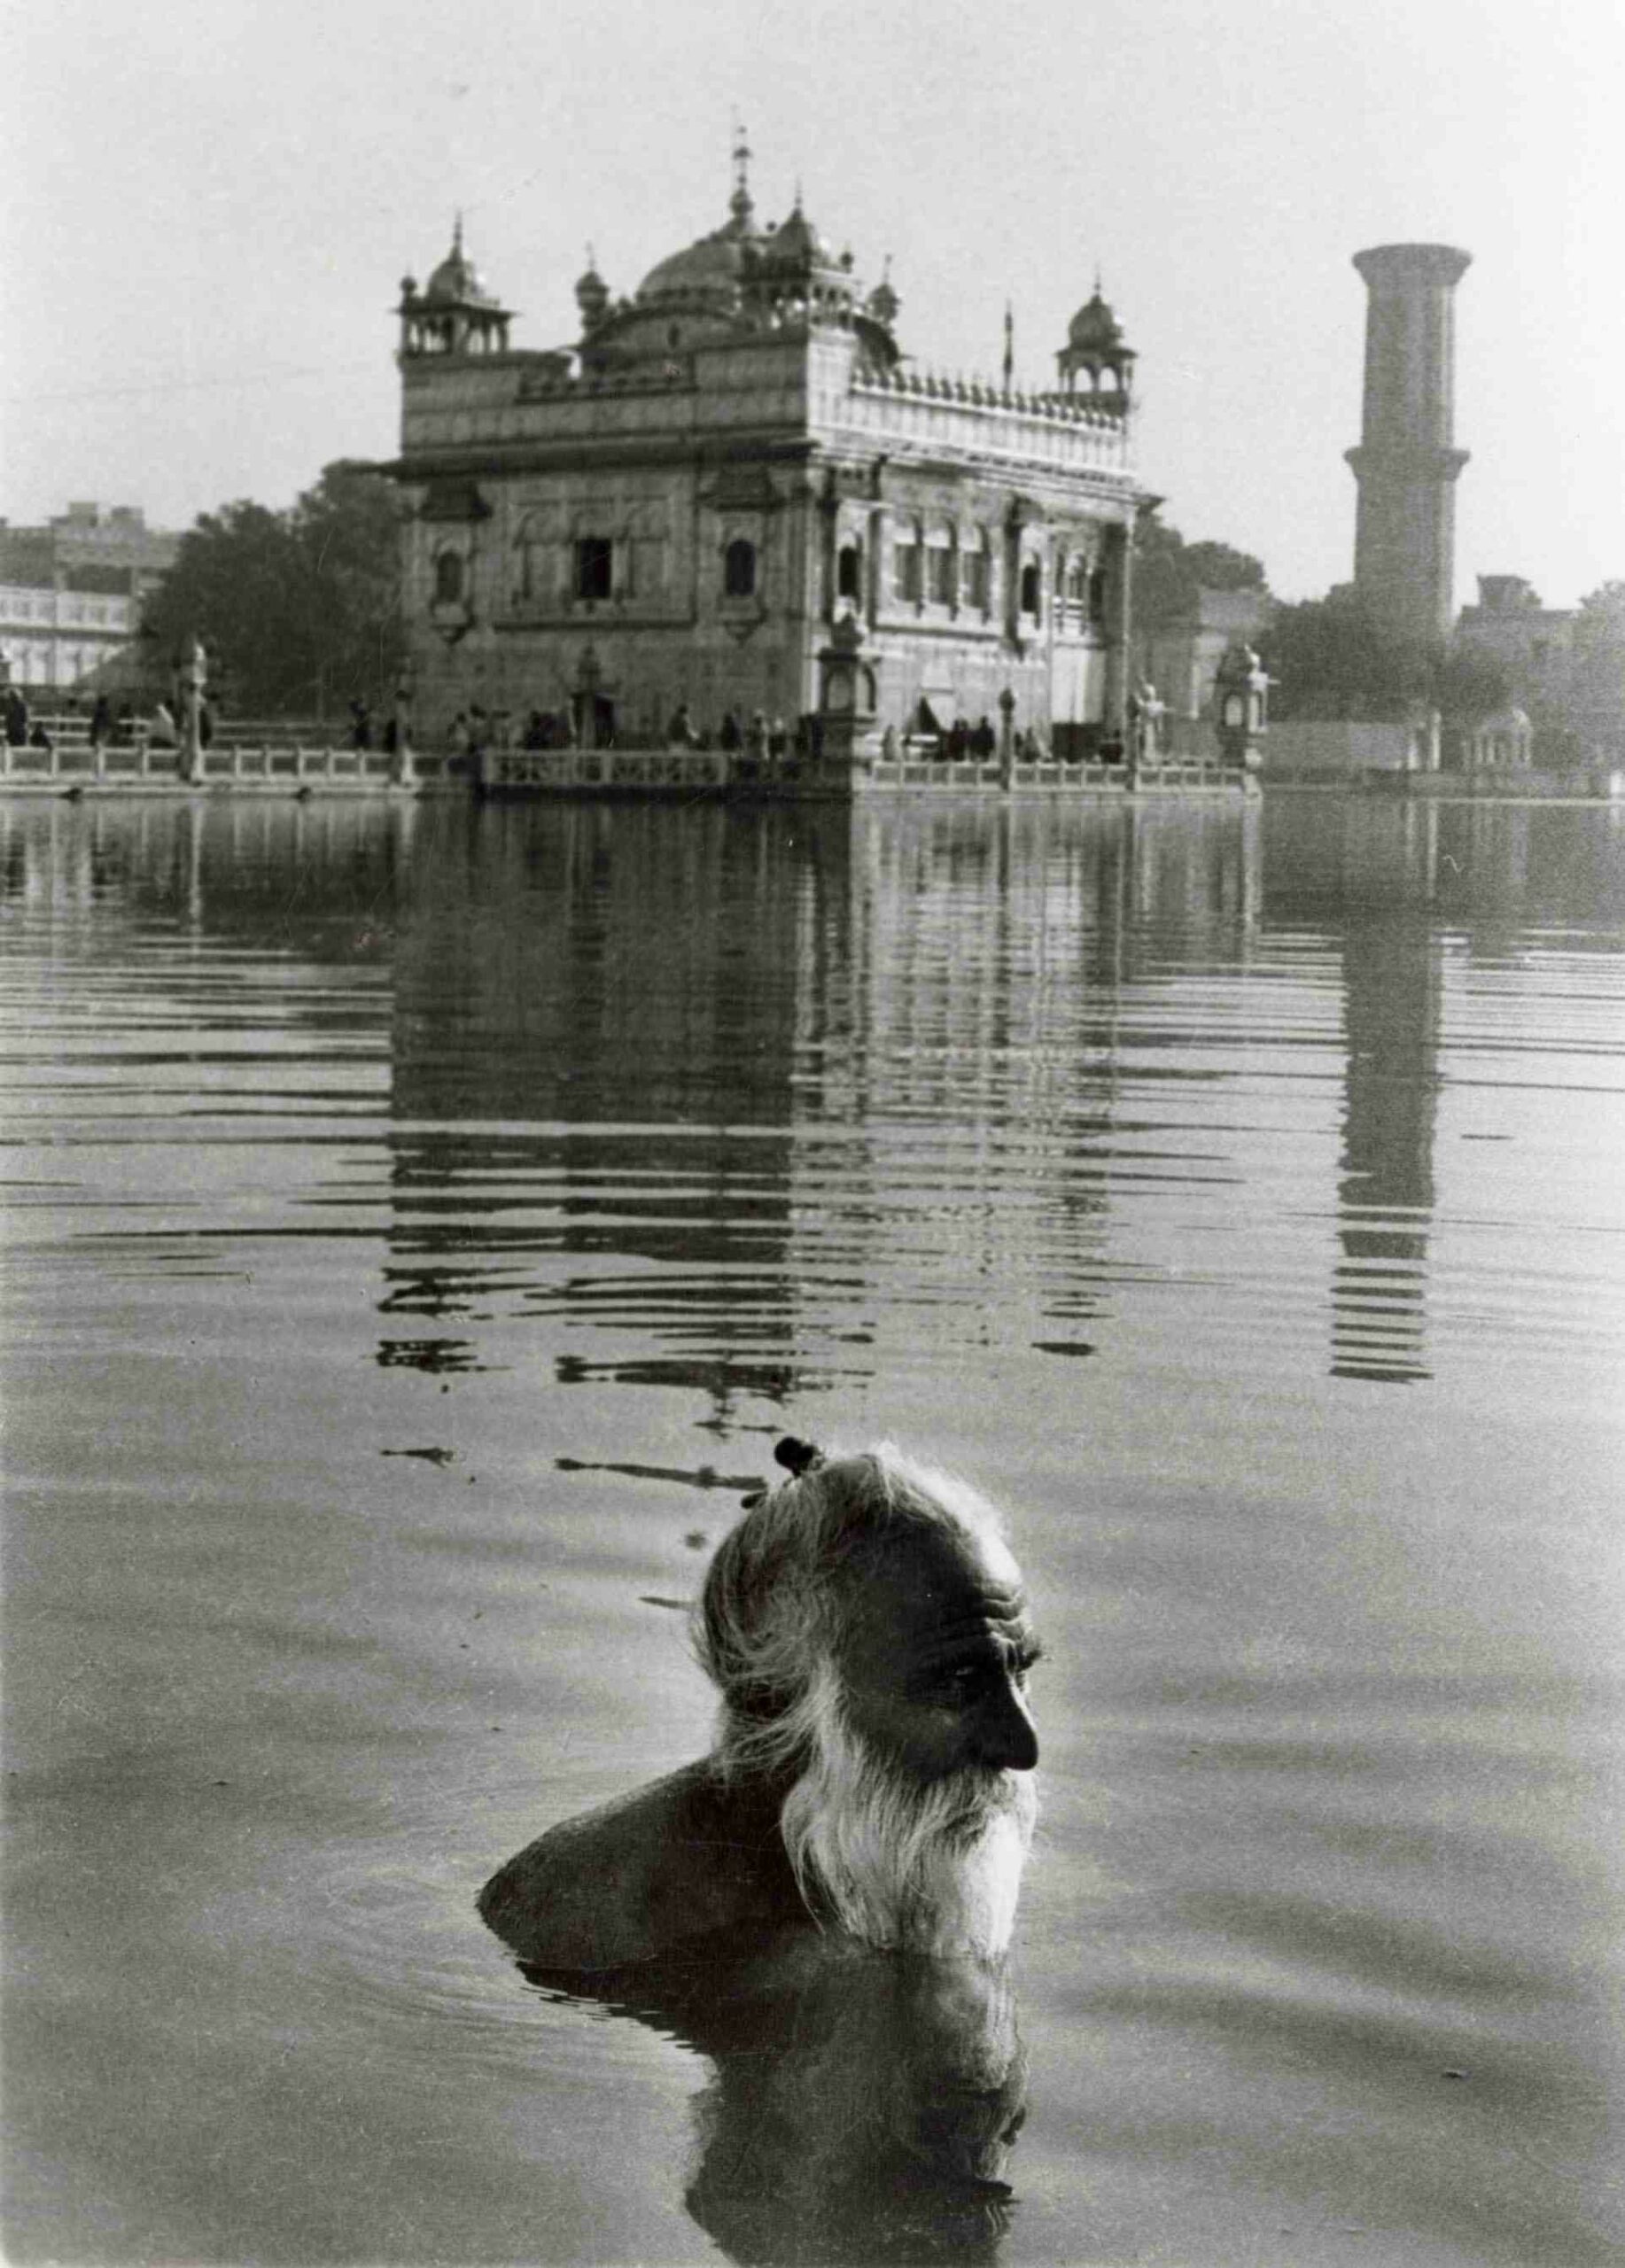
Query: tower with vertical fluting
[1407,462]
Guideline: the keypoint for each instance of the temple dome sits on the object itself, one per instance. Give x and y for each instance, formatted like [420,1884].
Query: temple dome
[1094,328]
[456,281]
[710,269]
[884,302]
[592,293]
[796,242]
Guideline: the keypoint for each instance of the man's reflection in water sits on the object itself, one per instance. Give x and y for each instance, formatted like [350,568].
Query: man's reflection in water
[864,2103]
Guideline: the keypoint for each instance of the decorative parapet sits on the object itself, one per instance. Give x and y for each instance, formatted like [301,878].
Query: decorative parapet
[976,416]
[1063,408]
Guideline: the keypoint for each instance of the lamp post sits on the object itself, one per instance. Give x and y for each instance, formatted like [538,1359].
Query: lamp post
[194,675]
[401,770]
[1007,737]
[1241,696]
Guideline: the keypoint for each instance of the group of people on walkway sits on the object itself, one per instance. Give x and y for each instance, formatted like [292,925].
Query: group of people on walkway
[768,739]
[362,734]
[106,727]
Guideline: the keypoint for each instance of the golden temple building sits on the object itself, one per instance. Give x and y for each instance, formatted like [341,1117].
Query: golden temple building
[736,498]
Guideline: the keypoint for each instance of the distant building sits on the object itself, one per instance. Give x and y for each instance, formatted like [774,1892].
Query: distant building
[71,592]
[1565,668]
[1180,657]
[736,494]
[1535,643]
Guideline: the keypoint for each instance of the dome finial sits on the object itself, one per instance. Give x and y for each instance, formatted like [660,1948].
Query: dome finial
[740,204]
[882,301]
[592,293]
[456,235]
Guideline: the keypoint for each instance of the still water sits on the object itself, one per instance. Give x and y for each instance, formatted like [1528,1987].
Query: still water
[419,1225]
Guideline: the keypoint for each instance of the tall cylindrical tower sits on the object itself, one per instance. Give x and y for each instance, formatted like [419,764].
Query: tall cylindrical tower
[1404,543]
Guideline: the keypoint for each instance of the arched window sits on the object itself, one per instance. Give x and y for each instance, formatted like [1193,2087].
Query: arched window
[739,569]
[595,567]
[1077,580]
[973,570]
[939,568]
[448,578]
[905,563]
[1029,588]
[532,548]
[848,571]
[1097,595]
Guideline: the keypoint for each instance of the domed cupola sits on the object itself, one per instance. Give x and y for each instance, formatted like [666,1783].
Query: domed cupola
[794,268]
[705,276]
[883,303]
[456,313]
[1094,326]
[456,281]
[592,295]
[796,243]
[1097,359]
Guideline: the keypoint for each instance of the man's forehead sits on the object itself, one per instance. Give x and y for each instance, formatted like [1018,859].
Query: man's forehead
[925,1587]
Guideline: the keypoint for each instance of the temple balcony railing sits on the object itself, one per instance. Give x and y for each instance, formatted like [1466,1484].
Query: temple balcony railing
[288,763]
[1049,429]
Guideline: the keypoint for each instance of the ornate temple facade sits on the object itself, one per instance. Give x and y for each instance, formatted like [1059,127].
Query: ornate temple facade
[736,494]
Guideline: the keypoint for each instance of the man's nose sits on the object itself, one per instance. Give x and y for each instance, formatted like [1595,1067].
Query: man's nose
[1006,1739]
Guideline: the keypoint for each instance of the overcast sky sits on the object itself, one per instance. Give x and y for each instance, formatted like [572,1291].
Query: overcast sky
[209,205]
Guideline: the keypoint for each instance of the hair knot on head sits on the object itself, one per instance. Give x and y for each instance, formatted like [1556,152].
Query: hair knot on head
[796,1456]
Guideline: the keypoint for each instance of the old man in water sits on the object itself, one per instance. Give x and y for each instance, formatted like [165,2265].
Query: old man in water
[866,1628]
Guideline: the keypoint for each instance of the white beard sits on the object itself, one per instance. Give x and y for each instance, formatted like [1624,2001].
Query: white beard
[908,1865]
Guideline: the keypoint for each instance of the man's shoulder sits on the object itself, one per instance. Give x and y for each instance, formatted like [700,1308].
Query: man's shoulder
[686,1855]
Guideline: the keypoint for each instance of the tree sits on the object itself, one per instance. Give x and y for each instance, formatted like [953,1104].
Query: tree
[1471,683]
[1169,574]
[1327,658]
[296,609]
[1603,610]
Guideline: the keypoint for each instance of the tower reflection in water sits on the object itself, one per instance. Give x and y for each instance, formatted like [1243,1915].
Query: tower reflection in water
[1415,897]
[862,2106]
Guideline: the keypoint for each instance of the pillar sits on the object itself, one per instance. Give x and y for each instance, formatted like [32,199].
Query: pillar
[1119,654]
[1407,463]
[194,677]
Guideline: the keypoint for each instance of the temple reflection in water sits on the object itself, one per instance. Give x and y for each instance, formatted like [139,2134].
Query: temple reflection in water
[691,1088]
[759,1103]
